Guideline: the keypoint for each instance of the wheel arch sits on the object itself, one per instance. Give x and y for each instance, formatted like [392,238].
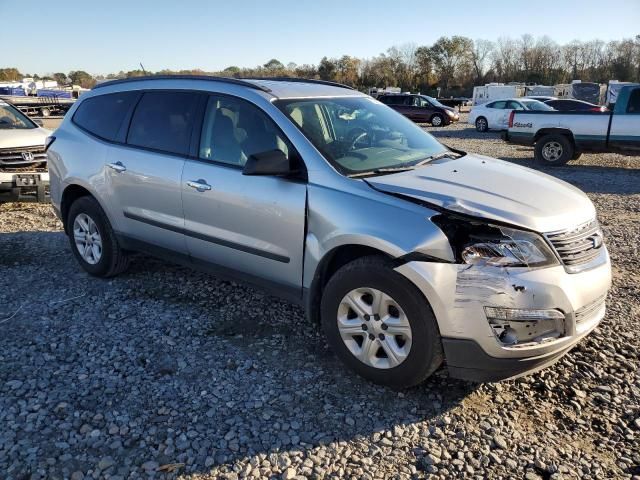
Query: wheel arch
[554,131]
[330,263]
[70,194]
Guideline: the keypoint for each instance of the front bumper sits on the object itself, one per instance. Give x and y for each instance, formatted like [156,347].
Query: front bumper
[473,351]
[24,187]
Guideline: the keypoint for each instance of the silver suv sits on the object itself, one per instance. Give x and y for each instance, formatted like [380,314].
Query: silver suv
[409,253]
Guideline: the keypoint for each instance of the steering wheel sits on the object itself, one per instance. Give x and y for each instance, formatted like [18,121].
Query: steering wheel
[356,136]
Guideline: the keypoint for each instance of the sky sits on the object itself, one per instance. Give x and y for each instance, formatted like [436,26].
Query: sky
[111,35]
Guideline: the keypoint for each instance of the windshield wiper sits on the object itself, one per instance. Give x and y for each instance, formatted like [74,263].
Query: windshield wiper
[405,168]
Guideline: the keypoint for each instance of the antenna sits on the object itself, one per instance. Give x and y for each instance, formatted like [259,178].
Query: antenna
[142,67]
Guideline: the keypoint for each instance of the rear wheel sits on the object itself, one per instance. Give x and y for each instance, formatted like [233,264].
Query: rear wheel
[379,324]
[554,150]
[481,124]
[437,120]
[93,241]
[45,112]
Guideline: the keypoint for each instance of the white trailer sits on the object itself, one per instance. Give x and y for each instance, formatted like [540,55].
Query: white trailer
[496,91]
[539,91]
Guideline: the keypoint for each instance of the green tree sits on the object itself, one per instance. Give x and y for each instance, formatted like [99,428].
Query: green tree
[82,78]
[10,74]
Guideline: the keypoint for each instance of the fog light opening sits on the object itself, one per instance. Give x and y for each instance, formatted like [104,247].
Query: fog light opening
[517,326]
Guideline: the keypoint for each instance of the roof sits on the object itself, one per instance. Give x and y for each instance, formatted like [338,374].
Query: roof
[277,87]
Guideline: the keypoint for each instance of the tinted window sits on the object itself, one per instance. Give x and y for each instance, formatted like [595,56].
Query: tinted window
[103,115]
[514,105]
[234,129]
[634,102]
[395,100]
[163,121]
[499,104]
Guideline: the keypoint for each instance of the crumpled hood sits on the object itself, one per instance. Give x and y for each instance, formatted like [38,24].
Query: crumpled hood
[28,137]
[493,189]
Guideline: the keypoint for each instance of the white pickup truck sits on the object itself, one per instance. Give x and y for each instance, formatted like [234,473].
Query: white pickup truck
[562,136]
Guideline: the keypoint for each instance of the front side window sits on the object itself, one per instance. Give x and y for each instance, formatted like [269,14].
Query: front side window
[499,105]
[103,115]
[13,119]
[537,106]
[359,135]
[164,121]
[234,129]
[515,105]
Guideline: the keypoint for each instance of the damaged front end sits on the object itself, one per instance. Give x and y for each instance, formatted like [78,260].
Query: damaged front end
[488,254]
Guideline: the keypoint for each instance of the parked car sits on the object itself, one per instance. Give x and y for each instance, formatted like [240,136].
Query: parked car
[407,252]
[570,105]
[23,169]
[421,109]
[563,136]
[541,98]
[495,115]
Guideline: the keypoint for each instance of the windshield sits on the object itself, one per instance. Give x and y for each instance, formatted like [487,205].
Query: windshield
[535,105]
[12,118]
[434,102]
[360,135]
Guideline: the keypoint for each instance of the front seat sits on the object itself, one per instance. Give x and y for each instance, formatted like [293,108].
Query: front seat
[225,146]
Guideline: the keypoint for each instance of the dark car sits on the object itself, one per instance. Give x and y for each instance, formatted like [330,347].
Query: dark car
[421,108]
[571,105]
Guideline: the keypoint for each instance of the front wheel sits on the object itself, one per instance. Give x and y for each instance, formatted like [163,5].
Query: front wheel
[554,150]
[380,325]
[437,120]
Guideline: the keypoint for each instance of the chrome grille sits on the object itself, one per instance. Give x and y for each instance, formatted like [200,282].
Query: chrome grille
[18,157]
[578,246]
[590,309]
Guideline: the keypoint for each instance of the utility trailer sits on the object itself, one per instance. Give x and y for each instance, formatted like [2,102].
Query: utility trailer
[40,106]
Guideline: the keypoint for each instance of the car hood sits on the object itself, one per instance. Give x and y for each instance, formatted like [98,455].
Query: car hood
[10,138]
[492,189]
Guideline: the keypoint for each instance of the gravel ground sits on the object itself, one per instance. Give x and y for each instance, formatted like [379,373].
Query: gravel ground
[168,372]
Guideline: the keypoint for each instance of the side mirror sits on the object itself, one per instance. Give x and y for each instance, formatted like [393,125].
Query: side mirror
[38,122]
[272,162]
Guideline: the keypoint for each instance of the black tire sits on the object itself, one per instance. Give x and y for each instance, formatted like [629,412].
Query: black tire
[113,259]
[482,125]
[437,120]
[425,354]
[554,150]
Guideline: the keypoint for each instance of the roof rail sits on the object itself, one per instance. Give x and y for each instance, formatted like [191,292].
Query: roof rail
[300,80]
[235,81]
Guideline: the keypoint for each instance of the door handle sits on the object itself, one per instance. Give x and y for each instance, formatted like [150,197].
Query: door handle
[117,166]
[200,185]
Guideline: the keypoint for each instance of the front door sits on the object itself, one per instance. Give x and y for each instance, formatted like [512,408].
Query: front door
[249,224]
[145,174]
[625,124]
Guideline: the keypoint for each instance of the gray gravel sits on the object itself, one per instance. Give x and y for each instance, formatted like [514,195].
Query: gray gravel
[165,372]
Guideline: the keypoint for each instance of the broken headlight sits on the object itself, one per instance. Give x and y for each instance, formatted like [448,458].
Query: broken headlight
[507,247]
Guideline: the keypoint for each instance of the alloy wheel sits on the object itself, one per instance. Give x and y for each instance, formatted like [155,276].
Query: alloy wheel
[552,151]
[374,328]
[87,238]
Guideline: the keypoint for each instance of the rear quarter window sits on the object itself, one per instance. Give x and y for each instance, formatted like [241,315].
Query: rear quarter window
[103,115]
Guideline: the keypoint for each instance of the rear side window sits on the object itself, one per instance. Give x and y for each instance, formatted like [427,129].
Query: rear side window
[103,115]
[164,121]
[634,102]
[499,104]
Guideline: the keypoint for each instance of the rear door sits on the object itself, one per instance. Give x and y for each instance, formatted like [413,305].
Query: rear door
[145,172]
[249,224]
[625,124]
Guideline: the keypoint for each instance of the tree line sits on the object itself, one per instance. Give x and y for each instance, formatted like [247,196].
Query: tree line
[450,66]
